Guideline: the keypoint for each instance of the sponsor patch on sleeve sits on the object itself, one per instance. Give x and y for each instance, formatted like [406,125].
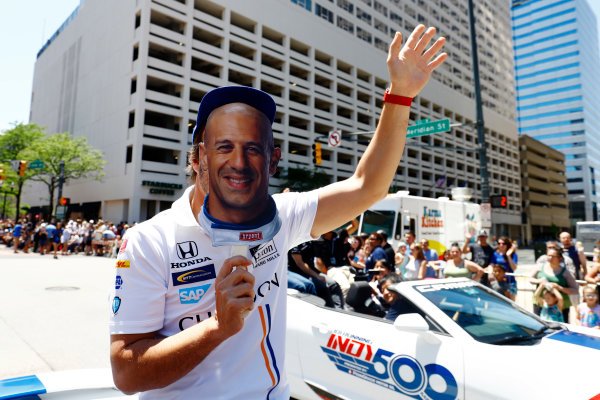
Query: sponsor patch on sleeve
[123,264]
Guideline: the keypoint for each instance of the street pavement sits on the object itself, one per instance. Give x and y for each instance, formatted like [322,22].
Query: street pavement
[54,313]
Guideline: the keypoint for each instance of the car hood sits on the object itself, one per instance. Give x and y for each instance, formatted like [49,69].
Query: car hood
[561,365]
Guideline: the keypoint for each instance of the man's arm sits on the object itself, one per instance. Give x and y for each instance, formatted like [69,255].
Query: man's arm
[142,362]
[303,266]
[410,68]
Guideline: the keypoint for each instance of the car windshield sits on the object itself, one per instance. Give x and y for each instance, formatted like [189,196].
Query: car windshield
[487,317]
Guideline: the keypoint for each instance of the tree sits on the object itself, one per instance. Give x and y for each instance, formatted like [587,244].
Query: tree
[13,145]
[80,161]
[299,179]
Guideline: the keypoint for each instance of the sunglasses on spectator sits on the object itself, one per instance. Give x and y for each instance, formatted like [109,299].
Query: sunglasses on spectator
[590,296]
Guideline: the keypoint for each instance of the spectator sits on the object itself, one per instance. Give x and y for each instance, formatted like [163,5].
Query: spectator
[356,252]
[417,265]
[506,256]
[377,252]
[588,312]
[552,303]
[579,260]
[555,275]
[430,254]
[381,270]
[409,238]
[306,278]
[389,250]
[43,239]
[457,267]
[402,258]
[391,296]
[499,283]
[481,251]
[16,235]
[568,262]
[593,274]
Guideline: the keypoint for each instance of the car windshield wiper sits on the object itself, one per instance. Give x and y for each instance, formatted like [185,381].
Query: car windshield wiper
[540,333]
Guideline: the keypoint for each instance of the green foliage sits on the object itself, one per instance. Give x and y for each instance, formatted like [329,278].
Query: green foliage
[14,141]
[299,179]
[30,142]
[80,161]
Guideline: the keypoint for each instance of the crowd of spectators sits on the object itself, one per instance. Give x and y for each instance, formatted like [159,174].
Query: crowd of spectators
[358,273]
[57,237]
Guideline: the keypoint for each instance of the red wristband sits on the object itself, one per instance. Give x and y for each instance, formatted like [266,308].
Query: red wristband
[395,99]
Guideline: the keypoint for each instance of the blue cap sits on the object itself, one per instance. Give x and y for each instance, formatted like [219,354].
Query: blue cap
[218,97]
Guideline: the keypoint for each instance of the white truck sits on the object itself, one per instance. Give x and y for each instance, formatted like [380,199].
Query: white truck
[588,233]
[442,221]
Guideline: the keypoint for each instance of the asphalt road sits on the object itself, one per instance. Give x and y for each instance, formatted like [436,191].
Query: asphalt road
[53,313]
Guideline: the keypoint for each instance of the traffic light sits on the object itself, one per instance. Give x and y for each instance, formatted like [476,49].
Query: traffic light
[2,174]
[316,153]
[22,167]
[64,201]
[499,201]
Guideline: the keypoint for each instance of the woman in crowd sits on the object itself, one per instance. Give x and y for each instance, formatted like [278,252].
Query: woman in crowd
[457,267]
[506,256]
[402,258]
[553,274]
[416,267]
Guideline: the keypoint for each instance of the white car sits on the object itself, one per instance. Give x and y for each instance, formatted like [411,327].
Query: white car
[454,339]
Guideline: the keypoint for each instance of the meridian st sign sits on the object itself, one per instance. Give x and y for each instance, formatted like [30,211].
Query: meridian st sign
[427,127]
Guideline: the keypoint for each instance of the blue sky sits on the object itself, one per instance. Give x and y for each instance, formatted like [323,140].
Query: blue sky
[25,25]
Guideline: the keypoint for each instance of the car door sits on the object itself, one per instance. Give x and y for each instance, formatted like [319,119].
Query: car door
[350,355]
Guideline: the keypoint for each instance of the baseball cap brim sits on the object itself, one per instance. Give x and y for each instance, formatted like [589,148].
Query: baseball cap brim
[218,97]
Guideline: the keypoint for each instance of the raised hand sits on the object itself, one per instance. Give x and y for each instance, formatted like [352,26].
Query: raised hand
[234,291]
[410,66]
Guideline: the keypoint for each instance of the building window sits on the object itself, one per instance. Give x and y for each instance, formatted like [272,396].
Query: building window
[345,24]
[364,16]
[131,119]
[364,35]
[380,8]
[380,44]
[324,13]
[380,26]
[128,154]
[304,3]
[346,5]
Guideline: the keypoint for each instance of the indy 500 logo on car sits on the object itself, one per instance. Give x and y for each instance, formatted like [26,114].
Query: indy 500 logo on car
[401,373]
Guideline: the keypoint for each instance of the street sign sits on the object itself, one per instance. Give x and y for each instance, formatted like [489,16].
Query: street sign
[427,128]
[60,212]
[37,164]
[335,138]
[486,215]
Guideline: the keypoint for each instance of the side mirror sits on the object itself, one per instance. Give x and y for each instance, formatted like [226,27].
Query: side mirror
[411,322]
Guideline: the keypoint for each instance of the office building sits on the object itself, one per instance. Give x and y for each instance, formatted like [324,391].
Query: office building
[544,187]
[130,77]
[558,92]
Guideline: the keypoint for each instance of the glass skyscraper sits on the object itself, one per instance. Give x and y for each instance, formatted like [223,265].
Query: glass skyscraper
[558,90]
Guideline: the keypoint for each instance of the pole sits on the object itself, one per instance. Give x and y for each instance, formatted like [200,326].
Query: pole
[485,189]
[61,178]
[4,205]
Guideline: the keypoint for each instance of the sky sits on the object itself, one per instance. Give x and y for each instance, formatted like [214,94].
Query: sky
[25,25]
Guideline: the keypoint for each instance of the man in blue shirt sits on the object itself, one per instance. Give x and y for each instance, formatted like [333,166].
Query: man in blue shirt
[377,253]
[430,254]
[17,234]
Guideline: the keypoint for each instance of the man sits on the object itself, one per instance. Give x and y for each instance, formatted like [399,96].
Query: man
[579,260]
[303,276]
[333,247]
[377,252]
[430,254]
[481,251]
[409,238]
[389,250]
[188,319]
